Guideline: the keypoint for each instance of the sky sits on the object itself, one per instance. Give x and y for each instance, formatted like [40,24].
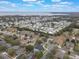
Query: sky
[39,5]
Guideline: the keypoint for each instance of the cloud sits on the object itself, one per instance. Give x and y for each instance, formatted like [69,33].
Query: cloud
[56,0]
[29,0]
[58,6]
[4,2]
[13,5]
[7,4]
[27,5]
[66,3]
[38,5]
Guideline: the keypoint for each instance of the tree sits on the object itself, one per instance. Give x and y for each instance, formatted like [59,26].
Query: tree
[38,55]
[29,48]
[76,47]
[38,41]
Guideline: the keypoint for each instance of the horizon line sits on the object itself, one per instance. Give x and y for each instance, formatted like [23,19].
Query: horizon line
[31,12]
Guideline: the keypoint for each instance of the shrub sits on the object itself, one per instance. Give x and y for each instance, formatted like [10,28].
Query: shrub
[11,52]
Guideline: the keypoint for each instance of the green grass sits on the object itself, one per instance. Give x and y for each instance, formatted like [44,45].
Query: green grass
[2,48]
[11,41]
[11,52]
[76,48]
